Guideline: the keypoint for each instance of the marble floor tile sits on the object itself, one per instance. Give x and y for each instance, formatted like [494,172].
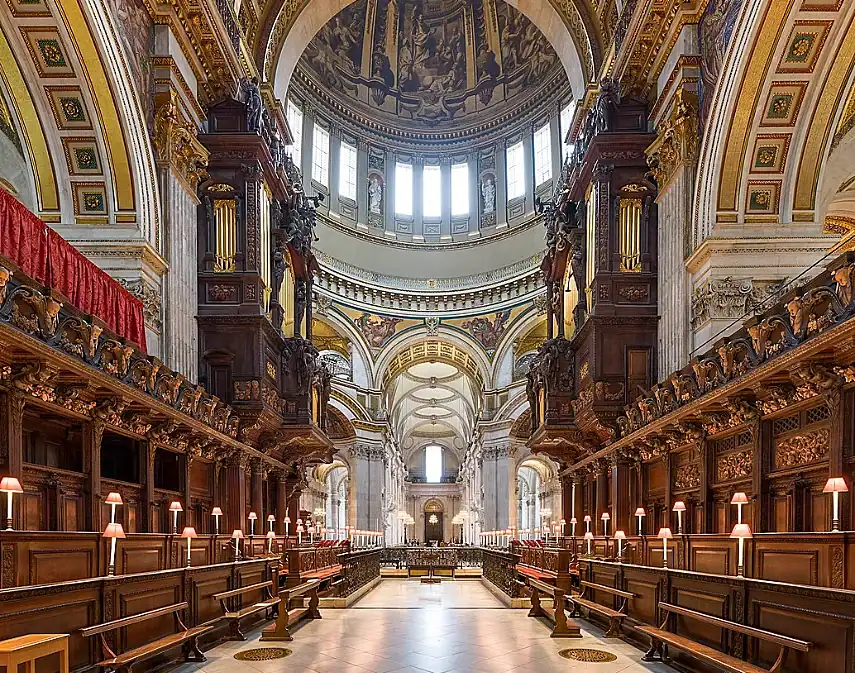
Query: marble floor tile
[403,626]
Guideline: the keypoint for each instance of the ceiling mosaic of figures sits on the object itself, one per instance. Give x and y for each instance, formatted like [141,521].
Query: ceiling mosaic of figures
[432,63]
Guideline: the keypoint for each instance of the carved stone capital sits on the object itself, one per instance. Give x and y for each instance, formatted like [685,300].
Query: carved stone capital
[177,146]
[677,141]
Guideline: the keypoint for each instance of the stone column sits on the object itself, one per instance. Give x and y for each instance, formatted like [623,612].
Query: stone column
[179,160]
[308,145]
[557,143]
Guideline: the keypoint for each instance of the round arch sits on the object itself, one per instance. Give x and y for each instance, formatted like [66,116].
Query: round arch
[572,30]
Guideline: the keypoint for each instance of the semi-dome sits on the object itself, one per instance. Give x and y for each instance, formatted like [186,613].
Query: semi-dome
[431,70]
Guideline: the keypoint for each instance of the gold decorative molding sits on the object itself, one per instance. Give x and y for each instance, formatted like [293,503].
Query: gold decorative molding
[177,146]
[838,224]
[677,140]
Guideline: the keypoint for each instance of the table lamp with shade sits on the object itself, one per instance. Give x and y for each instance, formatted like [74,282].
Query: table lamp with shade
[237,536]
[620,536]
[741,532]
[189,532]
[835,486]
[216,513]
[587,520]
[271,536]
[739,499]
[679,507]
[605,519]
[113,499]
[175,507]
[114,531]
[563,523]
[573,526]
[640,513]
[665,535]
[588,537]
[252,517]
[271,520]
[10,486]
[287,524]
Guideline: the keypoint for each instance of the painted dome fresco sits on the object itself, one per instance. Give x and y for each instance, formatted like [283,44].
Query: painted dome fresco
[413,67]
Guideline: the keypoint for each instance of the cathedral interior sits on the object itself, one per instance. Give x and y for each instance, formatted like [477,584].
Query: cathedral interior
[452,304]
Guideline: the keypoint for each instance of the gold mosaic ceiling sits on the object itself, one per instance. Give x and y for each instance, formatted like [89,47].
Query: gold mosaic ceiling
[432,65]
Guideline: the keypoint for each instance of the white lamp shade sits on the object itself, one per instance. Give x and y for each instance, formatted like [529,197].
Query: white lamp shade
[114,498]
[10,485]
[605,516]
[739,499]
[641,512]
[587,518]
[679,506]
[271,534]
[835,485]
[741,530]
[664,534]
[287,519]
[237,534]
[253,516]
[589,535]
[175,506]
[573,520]
[620,535]
[270,517]
[114,530]
[189,531]
[216,512]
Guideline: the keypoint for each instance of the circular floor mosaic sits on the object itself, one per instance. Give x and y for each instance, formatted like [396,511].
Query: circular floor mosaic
[262,654]
[592,656]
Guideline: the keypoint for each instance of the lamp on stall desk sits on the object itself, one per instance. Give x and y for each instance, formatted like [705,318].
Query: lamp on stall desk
[252,517]
[113,499]
[739,499]
[287,524]
[679,507]
[640,514]
[299,532]
[587,520]
[9,486]
[665,535]
[588,537]
[189,532]
[271,520]
[175,507]
[573,527]
[741,532]
[620,536]
[605,518]
[563,523]
[271,536]
[835,486]
[216,513]
[237,536]
[114,531]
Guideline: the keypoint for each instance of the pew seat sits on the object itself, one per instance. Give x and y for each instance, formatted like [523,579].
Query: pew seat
[292,609]
[661,639]
[536,573]
[322,574]
[560,629]
[234,616]
[124,662]
[615,617]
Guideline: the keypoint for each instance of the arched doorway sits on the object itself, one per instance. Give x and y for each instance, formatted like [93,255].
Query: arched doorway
[433,521]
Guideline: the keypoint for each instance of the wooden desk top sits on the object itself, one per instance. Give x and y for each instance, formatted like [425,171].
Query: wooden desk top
[31,640]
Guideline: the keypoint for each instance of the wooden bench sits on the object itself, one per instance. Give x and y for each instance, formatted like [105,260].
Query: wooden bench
[661,639]
[289,615]
[561,628]
[615,617]
[234,616]
[187,638]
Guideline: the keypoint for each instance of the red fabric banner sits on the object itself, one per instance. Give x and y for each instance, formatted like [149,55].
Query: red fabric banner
[49,259]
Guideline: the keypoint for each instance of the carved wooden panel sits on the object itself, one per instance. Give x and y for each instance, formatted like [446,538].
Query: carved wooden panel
[202,589]
[143,596]
[57,564]
[706,600]
[798,566]
[647,590]
[141,554]
[712,559]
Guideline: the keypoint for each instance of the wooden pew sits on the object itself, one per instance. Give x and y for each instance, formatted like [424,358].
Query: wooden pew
[234,616]
[291,615]
[661,639]
[561,628]
[615,617]
[187,638]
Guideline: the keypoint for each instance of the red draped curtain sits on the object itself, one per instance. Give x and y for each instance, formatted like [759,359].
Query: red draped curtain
[49,259]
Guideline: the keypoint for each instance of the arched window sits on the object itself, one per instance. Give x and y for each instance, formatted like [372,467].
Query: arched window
[433,464]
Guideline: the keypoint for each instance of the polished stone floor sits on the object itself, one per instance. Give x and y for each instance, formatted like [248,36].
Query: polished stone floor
[404,626]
